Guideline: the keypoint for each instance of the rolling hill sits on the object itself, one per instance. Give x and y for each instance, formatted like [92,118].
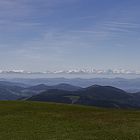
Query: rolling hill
[14,91]
[62,86]
[10,91]
[102,96]
[129,85]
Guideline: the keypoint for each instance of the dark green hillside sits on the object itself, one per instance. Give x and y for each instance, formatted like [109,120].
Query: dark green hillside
[43,121]
[101,96]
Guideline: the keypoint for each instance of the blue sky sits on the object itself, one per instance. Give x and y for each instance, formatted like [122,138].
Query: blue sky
[40,35]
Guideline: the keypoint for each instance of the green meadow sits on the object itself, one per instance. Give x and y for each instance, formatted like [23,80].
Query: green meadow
[50,121]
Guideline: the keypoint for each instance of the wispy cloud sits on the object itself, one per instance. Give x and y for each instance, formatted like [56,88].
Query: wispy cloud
[121,26]
[67,30]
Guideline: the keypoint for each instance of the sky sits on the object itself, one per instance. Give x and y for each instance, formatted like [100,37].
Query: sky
[40,35]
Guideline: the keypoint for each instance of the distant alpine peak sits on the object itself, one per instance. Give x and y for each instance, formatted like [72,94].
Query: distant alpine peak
[94,71]
[75,71]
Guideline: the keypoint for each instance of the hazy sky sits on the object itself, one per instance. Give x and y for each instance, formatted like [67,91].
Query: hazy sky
[39,35]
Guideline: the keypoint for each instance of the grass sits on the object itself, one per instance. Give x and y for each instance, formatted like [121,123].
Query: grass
[45,121]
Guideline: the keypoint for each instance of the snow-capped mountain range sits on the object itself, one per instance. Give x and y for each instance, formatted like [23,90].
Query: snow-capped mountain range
[74,71]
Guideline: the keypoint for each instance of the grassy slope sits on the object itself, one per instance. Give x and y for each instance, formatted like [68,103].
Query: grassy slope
[43,121]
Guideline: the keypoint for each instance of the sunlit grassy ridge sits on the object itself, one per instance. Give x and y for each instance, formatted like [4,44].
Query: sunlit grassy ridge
[45,121]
